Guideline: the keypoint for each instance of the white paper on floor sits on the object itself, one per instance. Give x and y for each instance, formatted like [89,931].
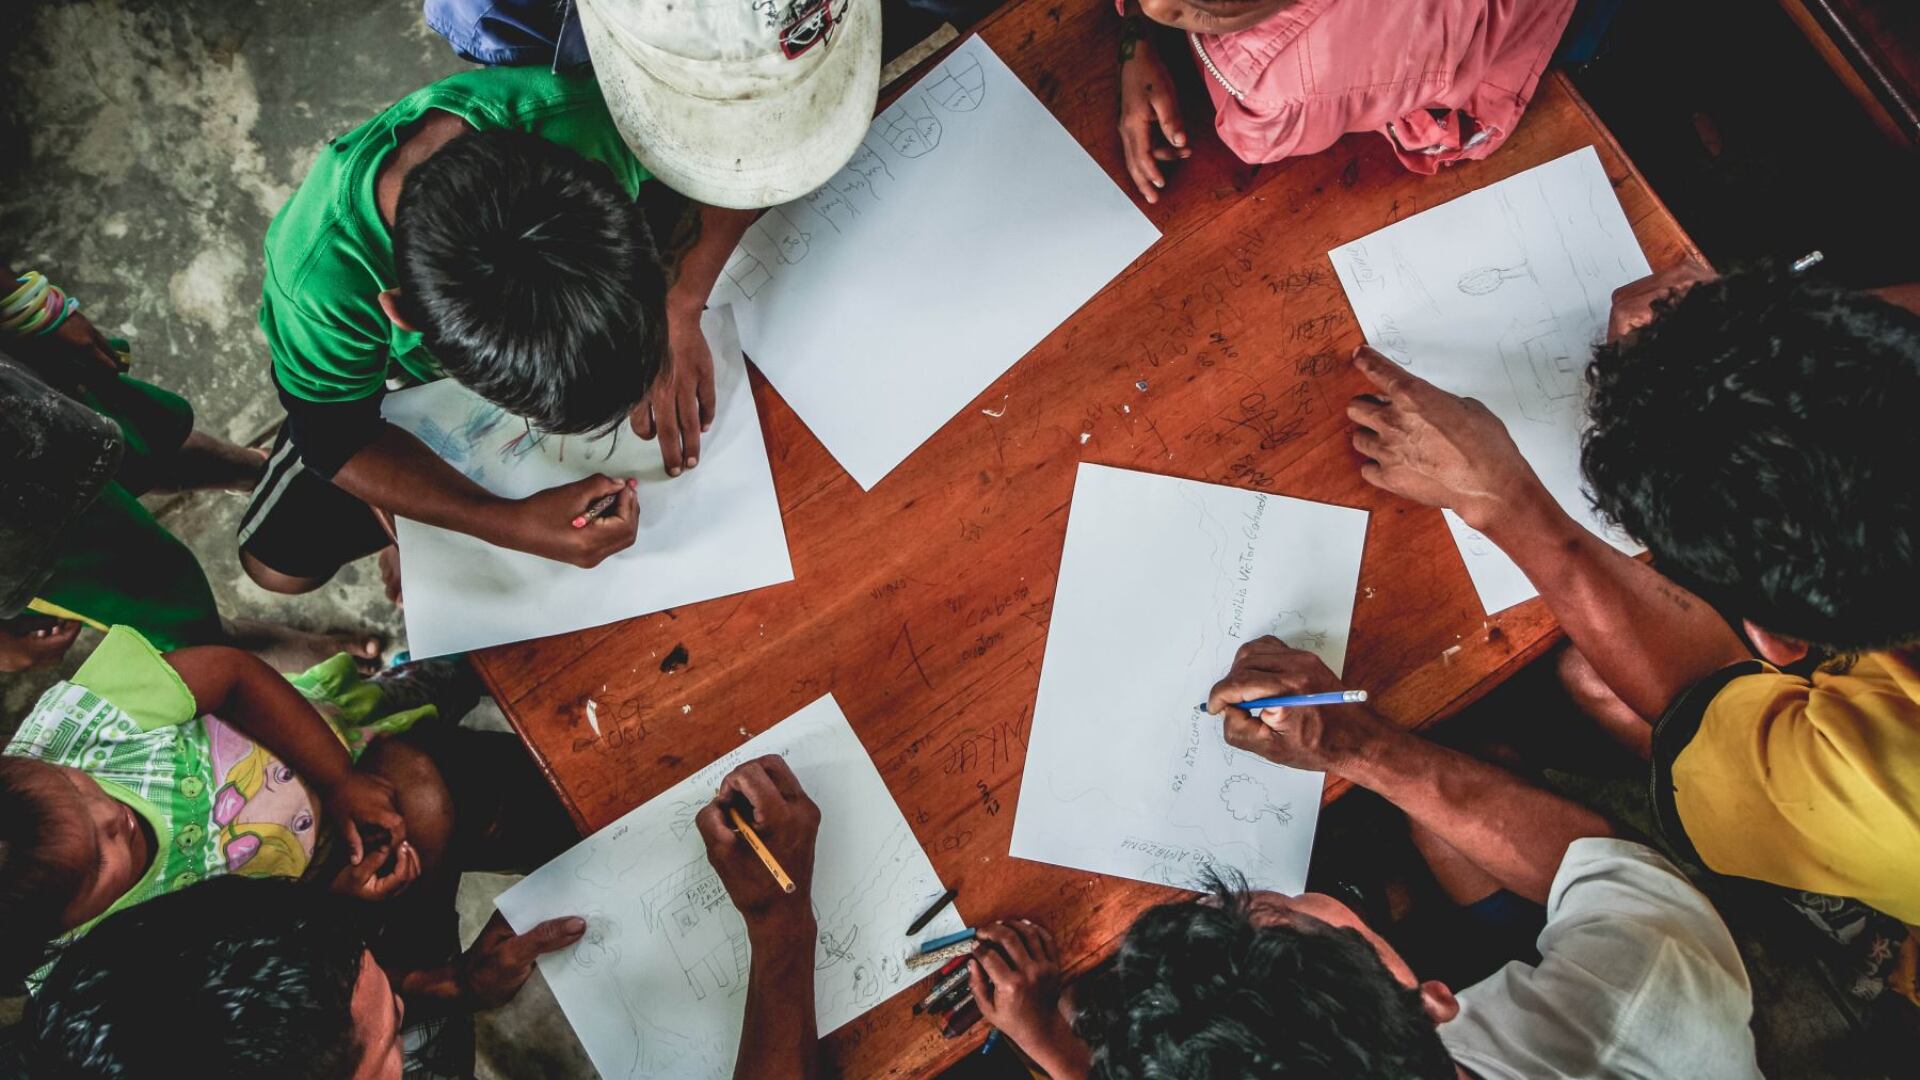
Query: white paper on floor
[711,531]
[1501,295]
[967,227]
[1161,581]
[657,988]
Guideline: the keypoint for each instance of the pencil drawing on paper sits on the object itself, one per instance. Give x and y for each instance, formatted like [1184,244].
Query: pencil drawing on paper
[1545,369]
[461,445]
[962,85]
[789,240]
[910,127]
[1247,799]
[691,909]
[747,273]
[1482,280]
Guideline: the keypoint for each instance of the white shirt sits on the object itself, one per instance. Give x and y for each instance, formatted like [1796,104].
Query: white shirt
[1638,977]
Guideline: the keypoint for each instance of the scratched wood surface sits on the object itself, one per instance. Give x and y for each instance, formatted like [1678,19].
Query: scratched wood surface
[1220,355]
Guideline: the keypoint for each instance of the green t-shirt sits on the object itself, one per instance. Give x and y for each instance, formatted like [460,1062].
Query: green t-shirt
[329,255]
[218,802]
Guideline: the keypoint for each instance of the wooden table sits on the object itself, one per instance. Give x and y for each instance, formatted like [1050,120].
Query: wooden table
[1220,355]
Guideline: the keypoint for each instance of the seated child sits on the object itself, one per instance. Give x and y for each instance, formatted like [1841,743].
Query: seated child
[484,228]
[1443,80]
[147,772]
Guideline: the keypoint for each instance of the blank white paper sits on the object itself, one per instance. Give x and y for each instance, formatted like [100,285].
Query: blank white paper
[1501,295]
[967,227]
[1161,580]
[657,988]
[712,531]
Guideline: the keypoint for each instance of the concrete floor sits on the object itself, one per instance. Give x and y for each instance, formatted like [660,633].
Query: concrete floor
[144,146]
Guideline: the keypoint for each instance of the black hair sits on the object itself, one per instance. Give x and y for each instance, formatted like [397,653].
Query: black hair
[244,978]
[533,279]
[1199,990]
[1759,437]
[35,888]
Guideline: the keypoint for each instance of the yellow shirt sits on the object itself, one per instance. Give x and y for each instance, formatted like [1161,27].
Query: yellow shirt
[1812,784]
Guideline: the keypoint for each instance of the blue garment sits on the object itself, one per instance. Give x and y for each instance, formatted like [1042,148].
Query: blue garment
[503,33]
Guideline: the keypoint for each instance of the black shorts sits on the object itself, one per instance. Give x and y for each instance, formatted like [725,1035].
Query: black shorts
[299,524]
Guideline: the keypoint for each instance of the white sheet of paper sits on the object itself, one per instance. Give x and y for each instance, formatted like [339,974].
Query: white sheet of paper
[657,988]
[1161,580]
[711,531]
[967,227]
[1501,295]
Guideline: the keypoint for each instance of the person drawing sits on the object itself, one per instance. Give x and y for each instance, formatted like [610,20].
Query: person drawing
[1753,431]
[1631,973]
[490,228]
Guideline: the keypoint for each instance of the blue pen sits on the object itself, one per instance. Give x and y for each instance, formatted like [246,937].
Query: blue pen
[1291,701]
[945,940]
[993,1040]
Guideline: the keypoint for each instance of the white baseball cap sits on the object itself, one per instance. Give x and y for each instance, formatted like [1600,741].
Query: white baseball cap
[741,103]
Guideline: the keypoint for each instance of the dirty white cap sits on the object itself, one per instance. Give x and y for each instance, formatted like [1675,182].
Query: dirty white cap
[741,103]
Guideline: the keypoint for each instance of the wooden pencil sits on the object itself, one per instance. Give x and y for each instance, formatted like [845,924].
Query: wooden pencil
[760,849]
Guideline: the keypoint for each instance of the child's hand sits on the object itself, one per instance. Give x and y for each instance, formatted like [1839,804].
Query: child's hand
[361,798]
[363,881]
[543,523]
[680,405]
[1147,100]
[1015,979]
[500,962]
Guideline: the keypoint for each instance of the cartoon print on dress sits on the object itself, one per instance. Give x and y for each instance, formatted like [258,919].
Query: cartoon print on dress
[264,815]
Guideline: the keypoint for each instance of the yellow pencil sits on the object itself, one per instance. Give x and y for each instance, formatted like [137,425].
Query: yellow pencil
[760,849]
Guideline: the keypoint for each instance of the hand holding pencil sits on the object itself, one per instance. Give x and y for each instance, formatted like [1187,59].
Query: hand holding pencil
[760,832]
[1323,735]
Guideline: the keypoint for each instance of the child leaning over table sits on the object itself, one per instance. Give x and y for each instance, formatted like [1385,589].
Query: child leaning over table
[1442,80]
[149,771]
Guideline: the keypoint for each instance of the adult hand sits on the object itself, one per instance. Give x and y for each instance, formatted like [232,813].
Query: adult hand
[364,881]
[1316,738]
[501,961]
[1436,448]
[1015,978]
[543,523]
[770,798]
[32,641]
[1147,101]
[360,798]
[680,405]
[1633,302]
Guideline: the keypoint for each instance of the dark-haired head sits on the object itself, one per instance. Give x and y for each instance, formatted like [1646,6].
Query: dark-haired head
[1258,985]
[241,977]
[44,862]
[533,279]
[1758,437]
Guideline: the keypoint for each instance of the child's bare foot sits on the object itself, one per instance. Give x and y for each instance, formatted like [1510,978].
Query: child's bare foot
[206,462]
[288,649]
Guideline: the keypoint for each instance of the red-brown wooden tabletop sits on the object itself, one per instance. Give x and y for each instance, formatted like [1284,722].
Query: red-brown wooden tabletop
[922,605]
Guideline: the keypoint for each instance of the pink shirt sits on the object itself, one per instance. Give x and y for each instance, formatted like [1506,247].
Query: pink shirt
[1443,80]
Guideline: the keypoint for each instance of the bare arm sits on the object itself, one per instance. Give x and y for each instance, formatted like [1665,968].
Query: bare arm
[262,704]
[680,407]
[779,1040]
[397,473]
[1514,831]
[1647,637]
